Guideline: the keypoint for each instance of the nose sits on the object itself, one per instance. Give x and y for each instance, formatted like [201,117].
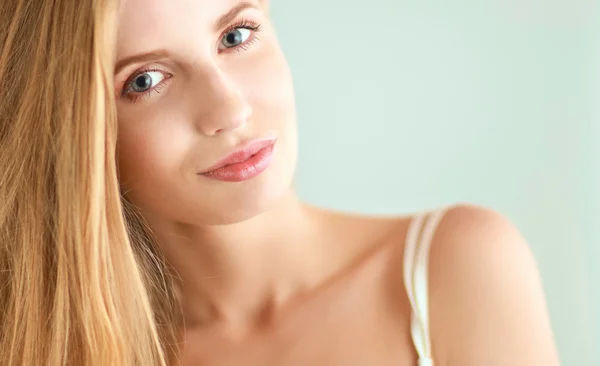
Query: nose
[219,103]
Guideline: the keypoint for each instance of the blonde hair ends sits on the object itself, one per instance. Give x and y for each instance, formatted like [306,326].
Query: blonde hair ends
[82,281]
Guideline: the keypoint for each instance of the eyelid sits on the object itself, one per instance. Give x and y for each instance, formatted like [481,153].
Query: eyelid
[140,70]
[241,23]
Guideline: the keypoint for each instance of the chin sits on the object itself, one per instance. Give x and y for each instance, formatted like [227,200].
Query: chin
[230,203]
[243,211]
[245,203]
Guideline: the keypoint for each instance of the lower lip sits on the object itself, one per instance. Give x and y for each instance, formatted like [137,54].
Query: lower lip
[245,170]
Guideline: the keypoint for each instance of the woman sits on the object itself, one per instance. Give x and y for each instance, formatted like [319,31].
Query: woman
[148,218]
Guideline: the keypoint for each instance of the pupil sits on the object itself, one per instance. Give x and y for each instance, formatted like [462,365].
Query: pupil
[234,37]
[142,83]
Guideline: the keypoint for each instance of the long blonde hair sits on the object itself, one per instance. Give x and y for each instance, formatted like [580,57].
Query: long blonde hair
[82,281]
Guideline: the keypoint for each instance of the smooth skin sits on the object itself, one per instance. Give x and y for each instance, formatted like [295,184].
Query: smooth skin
[265,279]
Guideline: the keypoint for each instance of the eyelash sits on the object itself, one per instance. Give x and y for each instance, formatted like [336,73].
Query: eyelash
[125,93]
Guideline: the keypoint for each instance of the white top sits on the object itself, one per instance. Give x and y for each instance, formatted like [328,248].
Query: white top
[416,258]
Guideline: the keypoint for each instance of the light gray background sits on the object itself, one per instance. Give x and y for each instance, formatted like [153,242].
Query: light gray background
[409,105]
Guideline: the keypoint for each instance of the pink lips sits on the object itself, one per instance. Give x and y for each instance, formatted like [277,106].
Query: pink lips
[243,164]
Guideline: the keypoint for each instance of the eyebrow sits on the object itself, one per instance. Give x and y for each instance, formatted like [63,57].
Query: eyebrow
[143,57]
[159,54]
[231,14]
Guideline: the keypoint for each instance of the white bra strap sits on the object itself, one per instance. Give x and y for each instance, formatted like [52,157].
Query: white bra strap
[416,258]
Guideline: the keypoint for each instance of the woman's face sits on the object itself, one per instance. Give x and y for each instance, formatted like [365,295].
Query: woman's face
[212,81]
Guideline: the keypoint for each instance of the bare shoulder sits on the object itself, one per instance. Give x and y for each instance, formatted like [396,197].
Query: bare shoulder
[486,300]
[487,305]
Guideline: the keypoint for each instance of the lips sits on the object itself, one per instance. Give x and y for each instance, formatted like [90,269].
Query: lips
[243,164]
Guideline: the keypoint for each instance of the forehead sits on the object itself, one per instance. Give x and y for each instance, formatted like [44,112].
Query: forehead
[143,24]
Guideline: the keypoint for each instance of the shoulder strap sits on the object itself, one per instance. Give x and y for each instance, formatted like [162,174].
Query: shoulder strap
[416,257]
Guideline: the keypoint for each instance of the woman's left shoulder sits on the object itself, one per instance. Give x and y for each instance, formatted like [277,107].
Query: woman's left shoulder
[487,304]
[478,246]
[477,229]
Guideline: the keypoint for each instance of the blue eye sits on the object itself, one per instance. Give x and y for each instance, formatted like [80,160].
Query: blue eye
[236,37]
[146,81]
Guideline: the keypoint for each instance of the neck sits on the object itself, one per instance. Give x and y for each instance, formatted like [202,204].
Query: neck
[237,273]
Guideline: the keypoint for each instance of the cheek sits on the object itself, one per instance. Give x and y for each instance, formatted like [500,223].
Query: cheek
[146,152]
[271,90]
[268,83]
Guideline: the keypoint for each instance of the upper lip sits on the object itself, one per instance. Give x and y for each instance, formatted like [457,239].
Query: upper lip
[241,155]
